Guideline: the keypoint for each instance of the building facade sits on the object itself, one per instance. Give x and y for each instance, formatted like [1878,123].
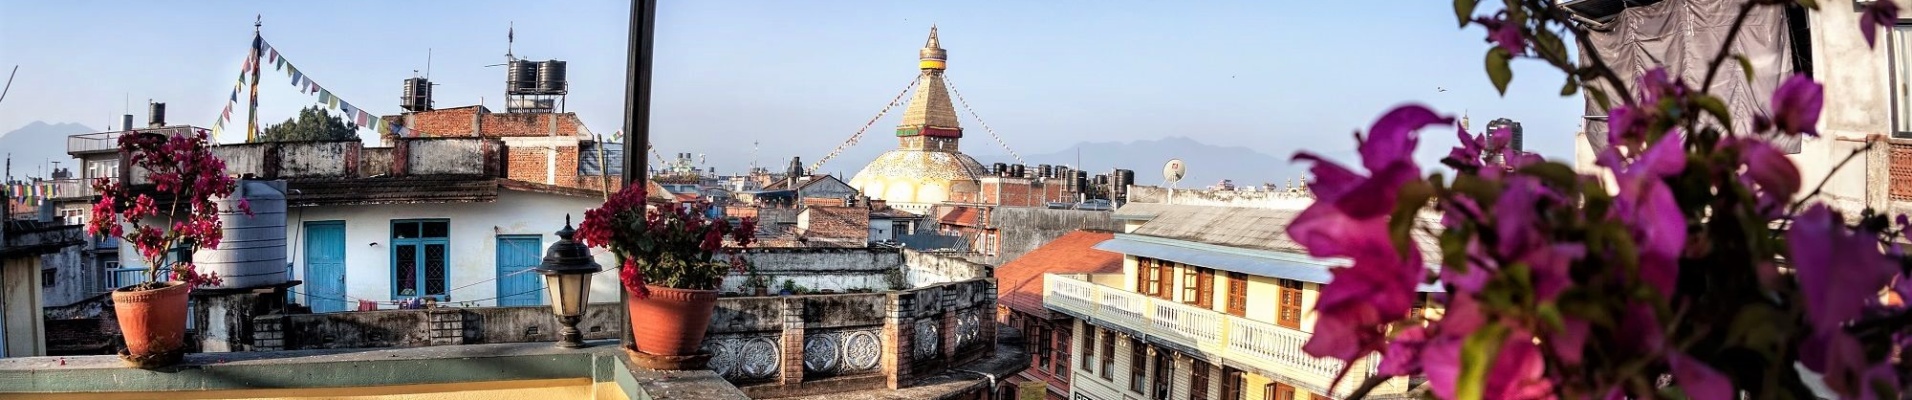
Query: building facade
[1047,335]
[1211,303]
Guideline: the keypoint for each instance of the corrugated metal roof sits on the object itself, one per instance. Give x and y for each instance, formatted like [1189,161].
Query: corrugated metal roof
[588,158]
[1241,227]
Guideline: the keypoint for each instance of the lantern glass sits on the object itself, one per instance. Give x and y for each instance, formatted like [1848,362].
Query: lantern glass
[569,293]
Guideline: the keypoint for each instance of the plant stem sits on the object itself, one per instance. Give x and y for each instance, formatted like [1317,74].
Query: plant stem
[1726,48]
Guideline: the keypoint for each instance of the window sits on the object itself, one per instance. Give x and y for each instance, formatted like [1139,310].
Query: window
[1138,366]
[1238,294]
[1062,353]
[1901,50]
[1278,391]
[1317,396]
[1154,280]
[1231,384]
[1039,346]
[1164,375]
[1198,286]
[47,276]
[1290,304]
[1198,381]
[420,258]
[1088,348]
[1108,355]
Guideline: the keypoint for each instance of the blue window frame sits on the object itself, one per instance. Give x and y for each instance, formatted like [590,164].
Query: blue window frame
[421,258]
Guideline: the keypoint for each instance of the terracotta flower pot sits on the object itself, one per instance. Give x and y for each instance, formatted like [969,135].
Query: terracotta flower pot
[672,321]
[153,321]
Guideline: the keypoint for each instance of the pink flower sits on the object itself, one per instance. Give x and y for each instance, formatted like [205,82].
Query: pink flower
[1839,271]
[1403,355]
[1880,13]
[1350,220]
[1796,105]
[1700,381]
[1504,34]
[1517,371]
[1646,205]
[1773,175]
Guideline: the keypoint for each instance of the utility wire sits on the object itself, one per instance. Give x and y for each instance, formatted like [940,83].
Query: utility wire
[979,119]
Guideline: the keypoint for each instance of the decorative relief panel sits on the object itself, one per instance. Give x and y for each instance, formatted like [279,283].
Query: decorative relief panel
[842,352]
[821,353]
[862,350]
[743,357]
[968,328]
[927,339]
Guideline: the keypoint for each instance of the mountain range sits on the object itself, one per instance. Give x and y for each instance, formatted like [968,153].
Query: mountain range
[35,146]
[1207,164]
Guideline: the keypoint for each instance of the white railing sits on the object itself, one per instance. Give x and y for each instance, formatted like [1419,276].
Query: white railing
[1260,344]
[92,142]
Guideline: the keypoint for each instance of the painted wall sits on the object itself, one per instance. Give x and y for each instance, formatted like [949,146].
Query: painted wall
[475,228]
[22,333]
[839,269]
[925,268]
[1219,198]
[73,280]
[1858,104]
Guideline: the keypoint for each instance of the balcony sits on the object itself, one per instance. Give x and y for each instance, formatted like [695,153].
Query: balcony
[1273,350]
[92,143]
[69,189]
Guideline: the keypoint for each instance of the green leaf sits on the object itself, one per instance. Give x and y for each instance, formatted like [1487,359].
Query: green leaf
[1550,314]
[1745,65]
[1463,9]
[1497,69]
[1599,97]
[1553,173]
[1814,5]
[1717,107]
[1572,87]
[1477,355]
[1550,46]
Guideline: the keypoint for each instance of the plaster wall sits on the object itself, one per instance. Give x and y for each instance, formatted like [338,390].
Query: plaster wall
[475,228]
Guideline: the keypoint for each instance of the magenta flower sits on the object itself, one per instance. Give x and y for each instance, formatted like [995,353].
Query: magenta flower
[1646,204]
[1505,34]
[1880,13]
[1796,105]
[1839,271]
[1403,355]
[1349,219]
[1773,175]
[1518,371]
[1700,381]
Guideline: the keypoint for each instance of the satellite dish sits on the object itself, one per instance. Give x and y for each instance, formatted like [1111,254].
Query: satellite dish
[1174,171]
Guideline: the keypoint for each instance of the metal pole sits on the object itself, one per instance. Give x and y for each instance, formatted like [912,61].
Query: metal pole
[637,115]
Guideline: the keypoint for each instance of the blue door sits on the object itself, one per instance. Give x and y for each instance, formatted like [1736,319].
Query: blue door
[325,266]
[518,285]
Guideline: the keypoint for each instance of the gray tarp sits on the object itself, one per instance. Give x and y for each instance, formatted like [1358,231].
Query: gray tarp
[1683,36]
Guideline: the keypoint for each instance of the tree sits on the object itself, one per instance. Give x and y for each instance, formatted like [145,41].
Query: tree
[312,125]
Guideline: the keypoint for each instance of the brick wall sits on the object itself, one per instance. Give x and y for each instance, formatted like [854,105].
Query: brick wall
[527,164]
[461,122]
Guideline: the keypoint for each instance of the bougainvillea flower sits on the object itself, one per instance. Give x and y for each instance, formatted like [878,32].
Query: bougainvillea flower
[1774,176]
[1877,14]
[1646,205]
[1701,382]
[1518,371]
[1468,153]
[1839,271]
[1796,105]
[1403,355]
[1504,34]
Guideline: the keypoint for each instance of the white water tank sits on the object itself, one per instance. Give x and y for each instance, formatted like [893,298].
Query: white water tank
[252,253]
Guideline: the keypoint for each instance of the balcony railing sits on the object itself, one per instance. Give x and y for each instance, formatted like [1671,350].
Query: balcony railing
[1262,345]
[92,142]
[69,188]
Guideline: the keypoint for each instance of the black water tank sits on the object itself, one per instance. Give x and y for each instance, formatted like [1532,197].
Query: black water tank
[155,115]
[551,77]
[1045,171]
[417,95]
[1015,171]
[999,169]
[521,77]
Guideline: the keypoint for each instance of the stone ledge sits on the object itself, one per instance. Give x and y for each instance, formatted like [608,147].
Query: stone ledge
[335,368]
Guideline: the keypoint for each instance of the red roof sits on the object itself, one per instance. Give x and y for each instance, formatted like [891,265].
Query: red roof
[964,216]
[1019,283]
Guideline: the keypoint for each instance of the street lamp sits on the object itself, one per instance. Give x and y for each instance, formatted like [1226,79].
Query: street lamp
[567,271]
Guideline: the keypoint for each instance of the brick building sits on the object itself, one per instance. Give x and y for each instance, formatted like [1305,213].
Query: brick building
[546,148]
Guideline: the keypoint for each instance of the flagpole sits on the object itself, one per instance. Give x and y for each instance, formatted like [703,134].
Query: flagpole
[252,109]
[637,116]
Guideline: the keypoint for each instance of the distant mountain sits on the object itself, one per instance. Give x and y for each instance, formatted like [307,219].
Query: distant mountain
[34,146]
[1207,164]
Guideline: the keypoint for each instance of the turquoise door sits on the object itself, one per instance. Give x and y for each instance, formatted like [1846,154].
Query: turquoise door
[518,285]
[325,266]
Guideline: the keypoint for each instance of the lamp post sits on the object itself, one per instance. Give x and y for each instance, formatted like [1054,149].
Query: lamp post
[567,271]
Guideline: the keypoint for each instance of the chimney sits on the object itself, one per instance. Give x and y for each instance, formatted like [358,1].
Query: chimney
[156,115]
[126,123]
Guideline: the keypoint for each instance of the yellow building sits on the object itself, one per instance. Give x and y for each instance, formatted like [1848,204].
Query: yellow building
[927,166]
[1213,302]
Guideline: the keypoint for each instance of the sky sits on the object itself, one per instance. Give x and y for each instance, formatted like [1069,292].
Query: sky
[800,78]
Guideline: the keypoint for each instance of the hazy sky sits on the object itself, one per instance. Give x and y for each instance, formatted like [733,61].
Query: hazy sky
[799,77]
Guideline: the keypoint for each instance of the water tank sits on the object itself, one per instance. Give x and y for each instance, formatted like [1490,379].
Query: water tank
[1123,177]
[521,77]
[1015,171]
[156,115]
[417,95]
[998,169]
[1045,171]
[253,252]
[551,77]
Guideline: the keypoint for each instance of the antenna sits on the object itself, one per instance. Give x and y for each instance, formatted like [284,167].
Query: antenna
[511,28]
[428,64]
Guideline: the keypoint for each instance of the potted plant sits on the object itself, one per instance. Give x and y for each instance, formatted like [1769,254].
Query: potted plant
[669,263]
[165,219]
[759,285]
[789,288]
